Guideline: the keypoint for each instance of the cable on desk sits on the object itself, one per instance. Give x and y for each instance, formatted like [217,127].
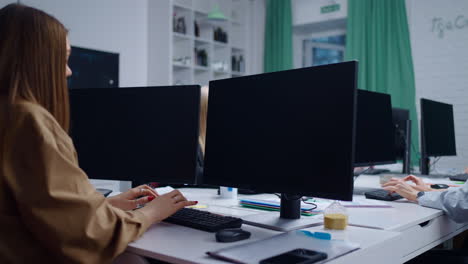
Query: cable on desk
[304,199]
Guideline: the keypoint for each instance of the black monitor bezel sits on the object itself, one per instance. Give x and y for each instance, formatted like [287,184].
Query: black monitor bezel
[398,112]
[424,130]
[194,179]
[273,188]
[379,162]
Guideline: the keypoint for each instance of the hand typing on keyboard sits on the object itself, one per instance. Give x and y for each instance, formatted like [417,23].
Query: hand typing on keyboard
[165,205]
[419,184]
[401,187]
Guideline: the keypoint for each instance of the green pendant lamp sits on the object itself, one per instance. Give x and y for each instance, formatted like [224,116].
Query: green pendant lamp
[216,15]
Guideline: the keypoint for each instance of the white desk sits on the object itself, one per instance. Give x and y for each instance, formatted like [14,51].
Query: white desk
[403,215]
[397,234]
[177,244]
[375,245]
[422,228]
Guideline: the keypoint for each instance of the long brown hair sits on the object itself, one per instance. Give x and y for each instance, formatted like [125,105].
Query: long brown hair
[203,117]
[33,58]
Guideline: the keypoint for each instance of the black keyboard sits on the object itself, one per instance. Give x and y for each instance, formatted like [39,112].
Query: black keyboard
[363,190]
[432,176]
[203,220]
[104,192]
[370,172]
[382,195]
[375,171]
[459,177]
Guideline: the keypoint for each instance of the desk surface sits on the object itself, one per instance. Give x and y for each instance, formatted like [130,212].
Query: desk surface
[407,229]
[404,213]
[178,244]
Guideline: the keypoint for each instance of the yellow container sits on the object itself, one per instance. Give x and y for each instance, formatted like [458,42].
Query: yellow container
[335,221]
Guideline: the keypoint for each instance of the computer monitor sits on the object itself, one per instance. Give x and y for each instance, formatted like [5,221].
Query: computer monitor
[402,128]
[93,68]
[290,132]
[437,132]
[144,134]
[374,129]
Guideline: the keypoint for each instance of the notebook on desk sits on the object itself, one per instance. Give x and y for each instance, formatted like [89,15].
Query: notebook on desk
[256,251]
[306,210]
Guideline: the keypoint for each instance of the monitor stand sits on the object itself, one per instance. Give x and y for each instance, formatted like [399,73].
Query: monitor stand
[373,171]
[407,155]
[288,219]
[424,166]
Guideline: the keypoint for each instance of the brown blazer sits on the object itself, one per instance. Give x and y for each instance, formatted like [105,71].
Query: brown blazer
[49,211]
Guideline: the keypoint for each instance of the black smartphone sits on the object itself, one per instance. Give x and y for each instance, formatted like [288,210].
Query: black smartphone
[296,256]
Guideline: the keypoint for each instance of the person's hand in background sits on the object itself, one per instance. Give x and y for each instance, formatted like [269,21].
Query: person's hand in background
[419,184]
[133,198]
[403,189]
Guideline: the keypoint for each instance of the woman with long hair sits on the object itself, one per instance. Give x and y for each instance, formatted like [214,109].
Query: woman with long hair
[203,117]
[49,211]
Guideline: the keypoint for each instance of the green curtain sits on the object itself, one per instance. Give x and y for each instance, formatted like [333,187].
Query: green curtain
[378,37]
[278,54]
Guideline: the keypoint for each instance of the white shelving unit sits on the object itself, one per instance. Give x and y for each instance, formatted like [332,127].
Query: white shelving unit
[175,62]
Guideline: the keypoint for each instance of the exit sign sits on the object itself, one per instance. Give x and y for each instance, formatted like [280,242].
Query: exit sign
[329,8]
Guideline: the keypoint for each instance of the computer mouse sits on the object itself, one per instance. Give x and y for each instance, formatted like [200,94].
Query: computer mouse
[439,186]
[231,235]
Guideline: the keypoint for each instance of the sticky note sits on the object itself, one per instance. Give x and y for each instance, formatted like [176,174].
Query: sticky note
[198,206]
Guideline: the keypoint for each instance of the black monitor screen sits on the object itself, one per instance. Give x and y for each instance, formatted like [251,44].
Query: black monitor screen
[144,134]
[93,68]
[400,116]
[290,131]
[437,129]
[374,129]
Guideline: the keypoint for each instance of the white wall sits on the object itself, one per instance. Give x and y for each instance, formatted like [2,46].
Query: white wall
[110,25]
[256,47]
[441,63]
[6,2]
[128,27]
[159,53]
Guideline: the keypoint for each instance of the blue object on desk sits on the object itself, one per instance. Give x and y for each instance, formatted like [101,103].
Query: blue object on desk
[318,235]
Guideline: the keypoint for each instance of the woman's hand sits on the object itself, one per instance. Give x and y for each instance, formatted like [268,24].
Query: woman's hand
[132,198]
[403,189]
[419,184]
[165,205]
[406,190]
